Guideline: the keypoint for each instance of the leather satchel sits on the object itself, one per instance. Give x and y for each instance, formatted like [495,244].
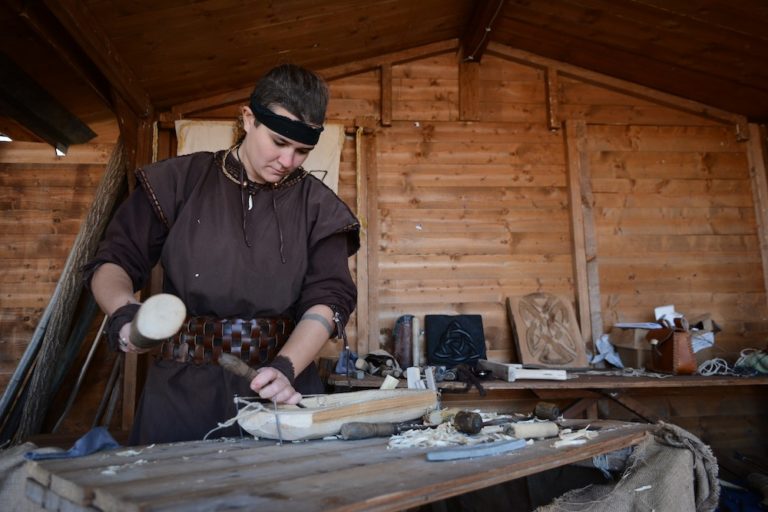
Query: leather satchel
[671,348]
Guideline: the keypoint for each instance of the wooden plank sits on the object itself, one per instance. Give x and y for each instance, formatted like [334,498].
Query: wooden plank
[575,140]
[362,210]
[757,171]
[332,475]
[39,153]
[370,162]
[679,165]
[714,139]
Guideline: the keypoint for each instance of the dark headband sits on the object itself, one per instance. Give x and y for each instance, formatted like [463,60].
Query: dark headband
[290,128]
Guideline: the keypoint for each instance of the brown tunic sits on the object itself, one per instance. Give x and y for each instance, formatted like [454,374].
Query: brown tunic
[227,250]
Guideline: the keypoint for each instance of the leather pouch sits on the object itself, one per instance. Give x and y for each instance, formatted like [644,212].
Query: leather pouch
[671,349]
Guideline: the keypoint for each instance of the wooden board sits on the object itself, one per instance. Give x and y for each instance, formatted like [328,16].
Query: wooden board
[314,475]
[546,331]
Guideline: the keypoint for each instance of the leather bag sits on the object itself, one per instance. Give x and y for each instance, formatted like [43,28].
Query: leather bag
[671,348]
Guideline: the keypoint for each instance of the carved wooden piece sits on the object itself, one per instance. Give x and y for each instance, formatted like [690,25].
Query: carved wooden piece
[323,415]
[547,333]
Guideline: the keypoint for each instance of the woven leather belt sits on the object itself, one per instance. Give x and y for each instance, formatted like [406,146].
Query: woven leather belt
[202,339]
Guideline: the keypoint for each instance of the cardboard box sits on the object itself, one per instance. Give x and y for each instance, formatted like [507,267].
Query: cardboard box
[631,346]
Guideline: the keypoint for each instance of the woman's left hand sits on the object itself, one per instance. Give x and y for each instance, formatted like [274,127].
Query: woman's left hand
[272,384]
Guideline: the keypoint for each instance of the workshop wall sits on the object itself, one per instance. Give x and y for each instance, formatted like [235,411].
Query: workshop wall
[470,213]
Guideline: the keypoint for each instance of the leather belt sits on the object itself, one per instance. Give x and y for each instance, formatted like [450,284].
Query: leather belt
[202,339]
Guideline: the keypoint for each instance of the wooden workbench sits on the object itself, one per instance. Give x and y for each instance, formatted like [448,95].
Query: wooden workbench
[726,412]
[315,475]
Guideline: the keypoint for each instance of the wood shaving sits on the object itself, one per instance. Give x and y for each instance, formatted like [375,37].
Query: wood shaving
[568,437]
[112,470]
[445,435]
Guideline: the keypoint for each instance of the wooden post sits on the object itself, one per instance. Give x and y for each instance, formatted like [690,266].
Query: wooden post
[756,151]
[138,134]
[40,393]
[583,233]
[373,233]
[469,89]
[362,255]
[553,99]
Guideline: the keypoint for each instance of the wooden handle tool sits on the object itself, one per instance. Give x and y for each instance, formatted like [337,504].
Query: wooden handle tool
[159,317]
[355,430]
[239,367]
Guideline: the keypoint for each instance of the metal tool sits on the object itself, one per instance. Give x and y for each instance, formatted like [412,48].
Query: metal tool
[475,450]
[277,425]
[239,367]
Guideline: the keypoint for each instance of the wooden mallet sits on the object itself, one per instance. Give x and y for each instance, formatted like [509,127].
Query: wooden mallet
[159,317]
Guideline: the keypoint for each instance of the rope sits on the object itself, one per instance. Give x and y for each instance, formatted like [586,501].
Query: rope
[249,408]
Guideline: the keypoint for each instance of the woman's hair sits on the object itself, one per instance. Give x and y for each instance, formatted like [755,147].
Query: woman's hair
[300,91]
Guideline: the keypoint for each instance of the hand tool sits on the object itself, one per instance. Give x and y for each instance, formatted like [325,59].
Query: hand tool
[476,450]
[158,318]
[277,425]
[355,430]
[466,422]
[533,430]
[239,367]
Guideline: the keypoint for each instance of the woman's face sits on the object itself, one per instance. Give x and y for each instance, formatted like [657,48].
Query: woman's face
[267,156]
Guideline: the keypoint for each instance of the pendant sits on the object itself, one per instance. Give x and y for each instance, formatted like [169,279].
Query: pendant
[250,202]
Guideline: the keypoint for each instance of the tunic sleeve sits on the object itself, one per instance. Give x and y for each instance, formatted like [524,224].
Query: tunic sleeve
[328,280]
[133,240]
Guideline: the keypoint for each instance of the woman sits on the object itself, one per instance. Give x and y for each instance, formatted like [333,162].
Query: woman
[252,244]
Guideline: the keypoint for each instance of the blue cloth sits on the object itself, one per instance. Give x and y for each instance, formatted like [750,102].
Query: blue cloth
[94,440]
[341,365]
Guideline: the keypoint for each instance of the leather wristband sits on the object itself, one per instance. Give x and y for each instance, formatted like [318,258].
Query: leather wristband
[117,320]
[284,366]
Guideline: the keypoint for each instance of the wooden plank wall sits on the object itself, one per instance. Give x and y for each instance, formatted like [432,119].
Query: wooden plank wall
[43,200]
[473,212]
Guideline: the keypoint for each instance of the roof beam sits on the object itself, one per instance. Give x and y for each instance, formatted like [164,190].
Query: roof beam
[87,32]
[29,104]
[477,33]
[45,24]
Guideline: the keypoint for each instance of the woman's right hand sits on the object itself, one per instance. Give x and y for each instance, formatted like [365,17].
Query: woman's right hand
[124,341]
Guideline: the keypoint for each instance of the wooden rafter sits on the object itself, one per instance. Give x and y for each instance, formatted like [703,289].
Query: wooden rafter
[624,87]
[477,33]
[45,24]
[83,27]
[28,103]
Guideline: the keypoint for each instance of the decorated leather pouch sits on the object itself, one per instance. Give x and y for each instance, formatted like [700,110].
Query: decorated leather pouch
[671,348]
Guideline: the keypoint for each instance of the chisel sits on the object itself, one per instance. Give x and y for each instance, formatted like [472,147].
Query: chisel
[239,367]
[355,430]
